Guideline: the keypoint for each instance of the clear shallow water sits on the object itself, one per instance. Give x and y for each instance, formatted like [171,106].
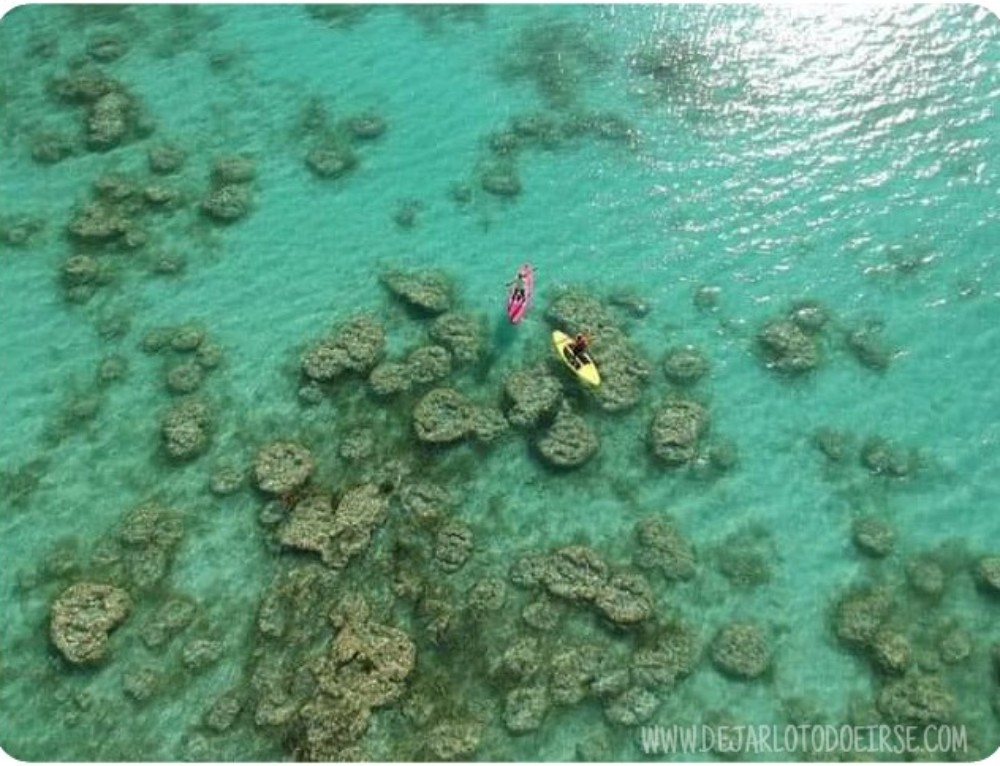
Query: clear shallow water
[775,156]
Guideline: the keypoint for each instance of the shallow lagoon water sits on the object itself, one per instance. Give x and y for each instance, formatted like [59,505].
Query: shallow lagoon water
[749,159]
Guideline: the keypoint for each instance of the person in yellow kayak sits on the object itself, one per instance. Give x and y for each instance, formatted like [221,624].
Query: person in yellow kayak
[579,350]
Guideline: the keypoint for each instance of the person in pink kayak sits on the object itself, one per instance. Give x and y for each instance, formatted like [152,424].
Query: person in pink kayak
[516,285]
[519,291]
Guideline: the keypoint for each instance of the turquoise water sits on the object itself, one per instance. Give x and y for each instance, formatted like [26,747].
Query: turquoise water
[751,159]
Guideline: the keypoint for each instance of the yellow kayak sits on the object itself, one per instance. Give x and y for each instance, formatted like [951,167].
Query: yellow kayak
[584,368]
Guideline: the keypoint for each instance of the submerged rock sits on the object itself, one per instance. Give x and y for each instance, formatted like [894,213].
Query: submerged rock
[389,379]
[631,708]
[227,203]
[453,545]
[82,617]
[861,613]
[355,348]
[331,160]
[185,378]
[233,169]
[167,621]
[441,416]
[673,656]
[187,338]
[741,649]
[80,270]
[577,574]
[223,713]
[455,740]
[337,536]
[623,372]
[955,646]
[109,120]
[663,548]
[366,127]
[142,683]
[917,699]
[426,291]
[425,500]
[786,348]
[501,181]
[572,671]
[50,148]
[283,466]
[676,429]
[428,364]
[533,395]
[685,365]
[625,599]
[988,574]
[868,347]
[461,333]
[186,429]
[98,222]
[364,668]
[569,442]
[891,651]
[149,536]
[925,576]
[308,525]
[809,316]
[201,653]
[165,159]
[487,424]
[873,536]
[525,709]
[360,511]
[883,457]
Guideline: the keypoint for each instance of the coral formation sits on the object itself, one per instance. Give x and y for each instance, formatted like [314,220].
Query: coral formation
[577,574]
[282,466]
[885,458]
[442,415]
[364,668]
[662,548]
[685,365]
[891,651]
[460,333]
[354,348]
[861,613]
[525,709]
[226,204]
[229,197]
[873,536]
[867,346]
[925,576]
[186,429]
[82,617]
[568,442]
[149,537]
[917,699]
[786,347]
[166,158]
[453,545]
[428,292]
[331,159]
[336,535]
[533,395]
[741,650]
[988,574]
[676,429]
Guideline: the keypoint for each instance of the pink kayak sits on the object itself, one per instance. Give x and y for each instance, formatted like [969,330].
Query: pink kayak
[518,301]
